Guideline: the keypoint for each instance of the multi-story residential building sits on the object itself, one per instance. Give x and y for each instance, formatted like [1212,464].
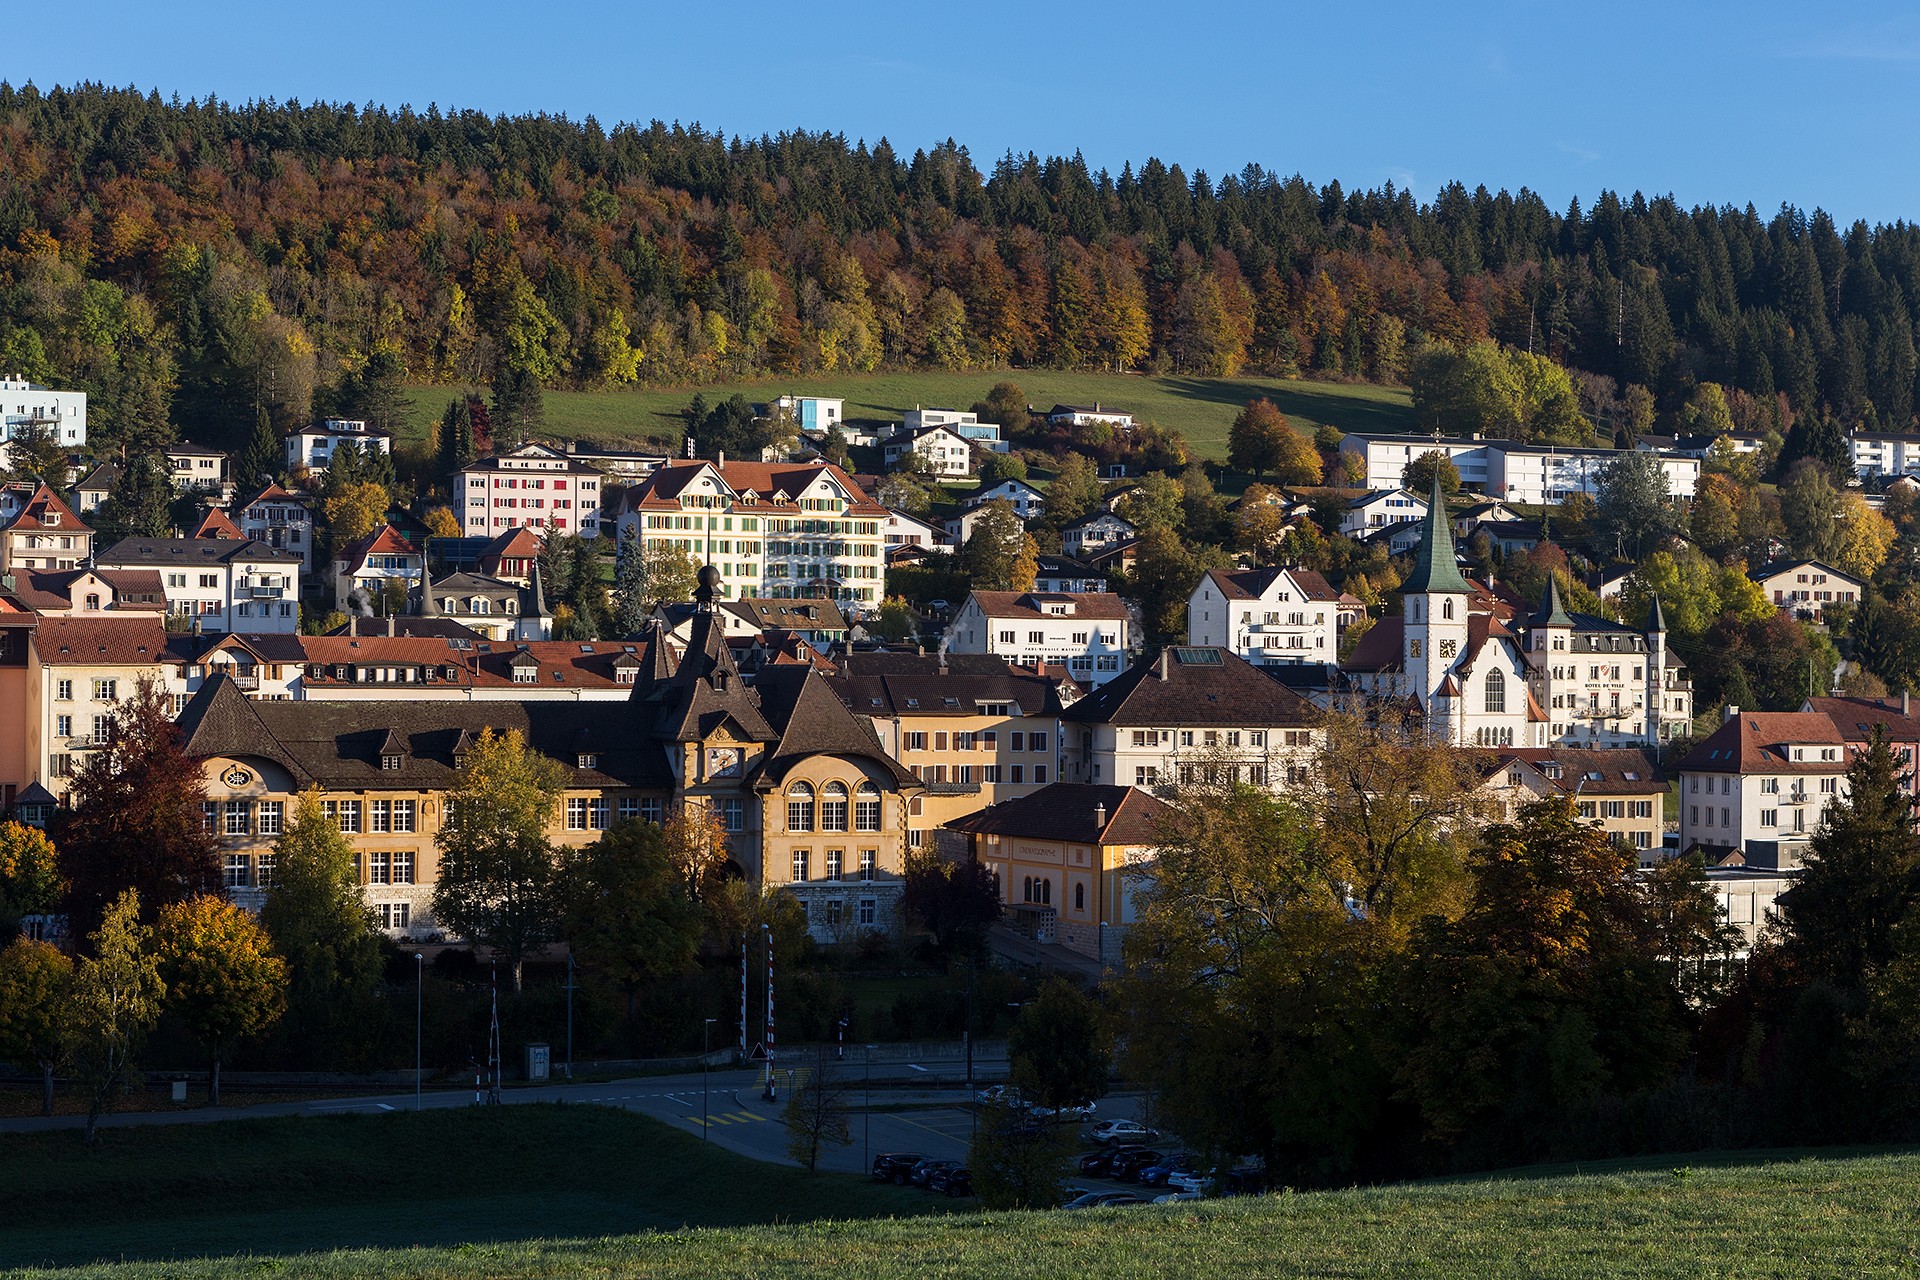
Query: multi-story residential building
[1268,617]
[1374,511]
[962,422]
[1195,714]
[783,530]
[78,670]
[533,487]
[1761,783]
[71,592]
[1620,789]
[1884,453]
[497,609]
[1858,719]
[1085,415]
[382,563]
[1065,574]
[281,519]
[1805,587]
[1604,684]
[946,451]
[1086,634]
[903,530]
[28,409]
[221,584]
[1536,474]
[819,414]
[617,466]
[810,802]
[1451,653]
[971,729]
[197,469]
[1027,502]
[270,667]
[312,448]
[1093,532]
[95,488]
[1069,860]
[818,622]
[39,531]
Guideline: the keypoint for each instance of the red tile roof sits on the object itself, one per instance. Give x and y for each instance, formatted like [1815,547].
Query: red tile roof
[1760,742]
[133,640]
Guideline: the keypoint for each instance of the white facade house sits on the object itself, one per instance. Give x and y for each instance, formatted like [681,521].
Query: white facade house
[946,451]
[1093,532]
[373,565]
[26,408]
[1806,587]
[281,519]
[534,487]
[780,530]
[1086,634]
[1027,501]
[1761,784]
[1535,474]
[223,584]
[196,469]
[1268,617]
[1081,415]
[903,530]
[312,448]
[1379,509]
[1604,684]
[1884,453]
[814,413]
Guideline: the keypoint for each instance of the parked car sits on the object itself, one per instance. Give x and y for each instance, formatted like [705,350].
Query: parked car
[957,1181]
[895,1166]
[1070,1193]
[1188,1180]
[1127,1167]
[1064,1115]
[1172,1196]
[1244,1182]
[922,1173]
[1102,1199]
[1097,1164]
[1111,1131]
[1156,1174]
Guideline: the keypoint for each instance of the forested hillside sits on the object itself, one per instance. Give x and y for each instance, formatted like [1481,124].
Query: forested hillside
[215,264]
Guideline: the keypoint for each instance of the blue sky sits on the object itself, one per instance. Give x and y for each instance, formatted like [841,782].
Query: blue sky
[1712,101]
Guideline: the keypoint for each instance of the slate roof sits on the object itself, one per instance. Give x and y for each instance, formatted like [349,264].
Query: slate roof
[1193,685]
[908,685]
[193,551]
[789,615]
[1251,584]
[1856,718]
[1100,606]
[1070,812]
[1766,571]
[814,721]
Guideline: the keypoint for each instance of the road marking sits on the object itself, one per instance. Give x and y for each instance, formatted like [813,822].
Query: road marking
[695,1120]
[912,1066]
[745,1116]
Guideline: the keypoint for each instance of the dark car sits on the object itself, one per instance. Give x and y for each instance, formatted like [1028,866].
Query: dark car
[895,1166]
[1127,1166]
[922,1173]
[1101,1200]
[1244,1182]
[956,1181]
[1157,1173]
[1096,1164]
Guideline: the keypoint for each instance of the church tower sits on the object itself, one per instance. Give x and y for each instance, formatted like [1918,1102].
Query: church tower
[1433,608]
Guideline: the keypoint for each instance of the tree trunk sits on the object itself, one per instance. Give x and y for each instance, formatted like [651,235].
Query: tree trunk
[213,1080]
[517,964]
[46,1088]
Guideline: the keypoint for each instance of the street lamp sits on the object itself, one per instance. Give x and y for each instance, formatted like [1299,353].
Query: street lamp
[866,1117]
[419,1010]
[706,1070]
[569,1013]
[840,1043]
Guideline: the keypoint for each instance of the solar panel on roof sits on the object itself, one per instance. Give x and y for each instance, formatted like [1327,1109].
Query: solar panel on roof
[1197,657]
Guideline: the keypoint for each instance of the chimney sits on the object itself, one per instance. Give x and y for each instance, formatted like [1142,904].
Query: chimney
[1100,817]
[391,624]
[1906,703]
[353,624]
[1733,713]
[720,458]
[1166,658]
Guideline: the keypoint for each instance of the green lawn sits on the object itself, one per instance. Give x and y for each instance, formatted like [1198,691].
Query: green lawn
[582,1192]
[1201,408]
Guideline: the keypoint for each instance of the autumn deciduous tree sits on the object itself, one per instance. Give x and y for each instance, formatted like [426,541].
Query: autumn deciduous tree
[1000,554]
[816,1113]
[34,980]
[133,818]
[631,916]
[355,511]
[1059,1047]
[113,1001]
[956,902]
[1254,439]
[1418,476]
[223,980]
[30,881]
[498,874]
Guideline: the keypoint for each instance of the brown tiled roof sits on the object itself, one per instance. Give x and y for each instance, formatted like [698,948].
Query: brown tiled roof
[1380,648]
[217,524]
[1756,741]
[557,664]
[1856,718]
[1070,812]
[813,721]
[661,490]
[53,588]
[386,541]
[129,640]
[40,504]
[1193,685]
[789,615]
[1101,606]
[275,493]
[1591,771]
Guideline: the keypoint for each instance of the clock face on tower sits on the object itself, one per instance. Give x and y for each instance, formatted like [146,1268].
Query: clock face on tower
[723,762]
[1447,648]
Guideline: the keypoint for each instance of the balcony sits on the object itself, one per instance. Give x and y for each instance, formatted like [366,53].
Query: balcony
[1603,713]
[86,744]
[249,681]
[267,593]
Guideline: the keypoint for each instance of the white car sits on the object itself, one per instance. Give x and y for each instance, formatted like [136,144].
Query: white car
[1173,1196]
[1196,1183]
[1111,1131]
[1064,1115]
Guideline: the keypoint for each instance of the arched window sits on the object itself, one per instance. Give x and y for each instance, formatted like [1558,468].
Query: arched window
[1026,889]
[1416,608]
[1080,896]
[866,807]
[1446,610]
[799,807]
[833,807]
[93,600]
[1045,885]
[1496,691]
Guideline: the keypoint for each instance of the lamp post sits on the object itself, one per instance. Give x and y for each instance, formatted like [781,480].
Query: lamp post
[866,1117]
[706,1070]
[840,1041]
[419,1010]
[569,1013]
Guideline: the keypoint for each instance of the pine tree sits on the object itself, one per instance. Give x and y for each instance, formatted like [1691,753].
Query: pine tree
[519,408]
[139,505]
[262,459]
[629,587]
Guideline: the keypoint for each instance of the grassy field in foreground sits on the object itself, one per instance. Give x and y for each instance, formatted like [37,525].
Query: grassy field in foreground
[582,1192]
[1201,408]
[462,1180]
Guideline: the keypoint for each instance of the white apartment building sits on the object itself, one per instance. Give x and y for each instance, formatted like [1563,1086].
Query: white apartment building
[1027,502]
[1082,415]
[281,519]
[946,451]
[1603,684]
[39,531]
[1085,634]
[1268,617]
[78,670]
[1884,453]
[312,448]
[1535,474]
[1806,587]
[26,407]
[776,529]
[534,487]
[903,530]
[196,469]
[1195,714]
[1093,532]
[1377,510]
[219,583]
[1761,784]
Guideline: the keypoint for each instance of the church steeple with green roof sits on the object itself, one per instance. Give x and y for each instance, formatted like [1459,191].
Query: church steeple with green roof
[1434,568]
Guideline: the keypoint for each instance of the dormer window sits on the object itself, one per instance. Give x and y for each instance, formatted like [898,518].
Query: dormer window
[390,763]
[587,760]
[526,675]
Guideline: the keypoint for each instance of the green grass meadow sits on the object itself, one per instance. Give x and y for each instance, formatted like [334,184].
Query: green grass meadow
[1200,408]
[579,1192]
